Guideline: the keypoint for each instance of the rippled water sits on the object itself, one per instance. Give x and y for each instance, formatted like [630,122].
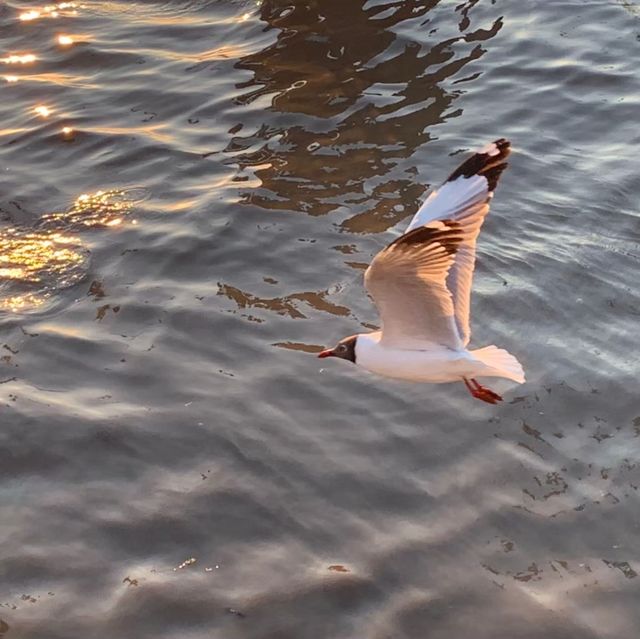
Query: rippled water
[189,193]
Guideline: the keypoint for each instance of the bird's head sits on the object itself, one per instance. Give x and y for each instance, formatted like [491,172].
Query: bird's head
[344,349]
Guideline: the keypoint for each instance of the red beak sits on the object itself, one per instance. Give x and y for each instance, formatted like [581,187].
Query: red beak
[327,353]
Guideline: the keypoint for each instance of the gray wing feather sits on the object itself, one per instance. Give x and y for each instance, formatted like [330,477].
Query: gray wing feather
[407,281]
[465,198]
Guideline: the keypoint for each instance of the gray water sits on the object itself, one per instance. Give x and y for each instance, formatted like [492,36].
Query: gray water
[174,461]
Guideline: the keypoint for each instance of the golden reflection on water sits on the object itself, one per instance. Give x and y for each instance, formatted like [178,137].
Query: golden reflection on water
[28,256]
[65,40]
[60,79]
[43,111]
[25,58]
[50,11]
[99,209]
[36,263]
[36,260]
[11,78]
[27,16]
[17,303]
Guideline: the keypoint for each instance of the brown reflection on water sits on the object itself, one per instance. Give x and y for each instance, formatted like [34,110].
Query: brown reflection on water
[354,115]
[287,305]
[300,346]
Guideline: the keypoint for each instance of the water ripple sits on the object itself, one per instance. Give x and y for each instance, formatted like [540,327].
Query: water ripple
[187,223]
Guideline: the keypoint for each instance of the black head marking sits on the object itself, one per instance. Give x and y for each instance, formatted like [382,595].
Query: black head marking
[346,349]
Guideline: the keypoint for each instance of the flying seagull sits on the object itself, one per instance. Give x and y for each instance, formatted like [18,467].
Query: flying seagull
[421,286]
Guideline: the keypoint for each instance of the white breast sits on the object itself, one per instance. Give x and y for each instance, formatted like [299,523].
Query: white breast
[433,365]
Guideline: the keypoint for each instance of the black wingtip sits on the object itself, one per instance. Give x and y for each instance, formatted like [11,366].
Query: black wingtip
[488,162]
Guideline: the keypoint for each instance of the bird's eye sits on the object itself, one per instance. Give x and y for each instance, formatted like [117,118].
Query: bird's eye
[342,348]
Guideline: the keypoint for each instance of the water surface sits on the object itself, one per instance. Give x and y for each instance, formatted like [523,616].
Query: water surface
[189,193]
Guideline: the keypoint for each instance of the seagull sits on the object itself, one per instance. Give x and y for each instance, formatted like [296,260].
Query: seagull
[421,285]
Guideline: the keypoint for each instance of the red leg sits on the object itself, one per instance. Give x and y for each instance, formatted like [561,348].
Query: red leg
[481,392]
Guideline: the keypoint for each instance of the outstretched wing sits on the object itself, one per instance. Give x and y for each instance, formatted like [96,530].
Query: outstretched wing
[465,198]
[407,281]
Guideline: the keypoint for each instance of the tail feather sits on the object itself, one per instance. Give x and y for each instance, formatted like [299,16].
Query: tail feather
[499,363]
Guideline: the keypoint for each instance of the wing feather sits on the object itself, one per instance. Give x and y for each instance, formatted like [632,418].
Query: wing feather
[407,281]
[465,198]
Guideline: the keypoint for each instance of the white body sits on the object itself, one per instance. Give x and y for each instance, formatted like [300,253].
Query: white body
[435,365]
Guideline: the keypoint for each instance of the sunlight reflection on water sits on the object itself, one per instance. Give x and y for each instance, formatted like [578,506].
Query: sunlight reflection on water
[36,263]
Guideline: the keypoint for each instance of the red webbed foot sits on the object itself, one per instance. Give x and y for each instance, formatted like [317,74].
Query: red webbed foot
[481,392]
